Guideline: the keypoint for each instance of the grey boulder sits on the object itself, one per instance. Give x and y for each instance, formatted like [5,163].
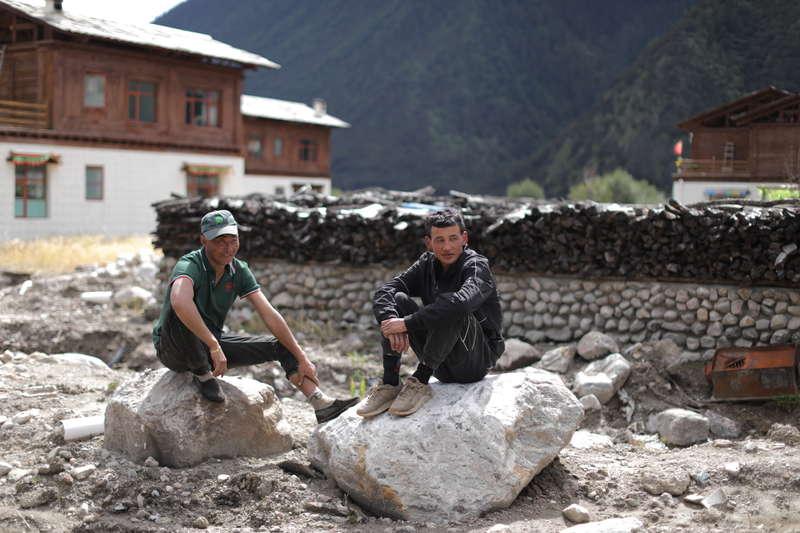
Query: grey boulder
[161,414]
[596,344]
[518,354]
[488,439]
[603,378]
[557,359]
[680,427]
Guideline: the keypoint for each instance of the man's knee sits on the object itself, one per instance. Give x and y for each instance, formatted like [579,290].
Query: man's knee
[405,305]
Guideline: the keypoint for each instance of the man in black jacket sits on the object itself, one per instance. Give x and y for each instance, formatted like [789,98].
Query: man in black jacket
[456,334]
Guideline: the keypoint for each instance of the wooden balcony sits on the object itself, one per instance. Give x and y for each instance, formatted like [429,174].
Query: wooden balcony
[713,168]
[24,114]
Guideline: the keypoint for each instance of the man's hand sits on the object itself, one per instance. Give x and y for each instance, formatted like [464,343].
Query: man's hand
[393,326]
[305,368]
[399,342]
[219,360]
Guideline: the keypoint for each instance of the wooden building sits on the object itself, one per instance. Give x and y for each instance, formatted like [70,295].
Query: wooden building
[741,148]
[99,119]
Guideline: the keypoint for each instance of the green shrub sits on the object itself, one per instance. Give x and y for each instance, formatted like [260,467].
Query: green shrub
[617,186]
[526,188]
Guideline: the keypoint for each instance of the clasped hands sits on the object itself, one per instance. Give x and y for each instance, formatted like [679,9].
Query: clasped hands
[395,330]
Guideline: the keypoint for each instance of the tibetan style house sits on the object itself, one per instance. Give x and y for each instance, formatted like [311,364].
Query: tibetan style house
[746,148]
[99,119]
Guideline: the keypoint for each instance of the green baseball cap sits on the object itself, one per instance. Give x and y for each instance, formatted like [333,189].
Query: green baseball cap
[218,223]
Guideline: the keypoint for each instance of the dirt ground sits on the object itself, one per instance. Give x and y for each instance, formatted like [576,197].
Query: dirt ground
[79,486]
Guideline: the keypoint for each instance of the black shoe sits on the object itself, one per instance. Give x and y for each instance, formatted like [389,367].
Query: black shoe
[335,409]
[210,390]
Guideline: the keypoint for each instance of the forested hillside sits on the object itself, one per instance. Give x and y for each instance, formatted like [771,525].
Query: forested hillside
[455,93]
[719,51]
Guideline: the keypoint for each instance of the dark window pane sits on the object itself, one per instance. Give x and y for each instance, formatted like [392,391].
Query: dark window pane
[94,90]
[147,109]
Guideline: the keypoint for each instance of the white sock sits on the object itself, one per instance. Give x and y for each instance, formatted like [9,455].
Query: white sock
[319,400]
[204,377]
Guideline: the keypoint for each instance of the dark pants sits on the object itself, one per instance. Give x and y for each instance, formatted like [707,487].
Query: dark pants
[456,348]
[181,350]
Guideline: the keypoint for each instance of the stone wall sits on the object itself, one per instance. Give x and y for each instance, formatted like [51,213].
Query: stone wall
[698,318]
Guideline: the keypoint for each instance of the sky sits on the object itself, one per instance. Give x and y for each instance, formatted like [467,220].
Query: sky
[138,11]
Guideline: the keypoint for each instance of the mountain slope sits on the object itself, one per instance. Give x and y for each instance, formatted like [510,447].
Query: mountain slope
[454,93]
[719,51]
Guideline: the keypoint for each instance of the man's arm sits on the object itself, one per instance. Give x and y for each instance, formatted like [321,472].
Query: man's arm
[181,297]
[409,282]
[277,325]
[477,286]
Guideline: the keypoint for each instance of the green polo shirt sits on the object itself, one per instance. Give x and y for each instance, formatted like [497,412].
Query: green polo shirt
[213,300]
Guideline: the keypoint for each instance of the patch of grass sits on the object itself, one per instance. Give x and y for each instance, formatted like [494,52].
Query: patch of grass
[787,401]
[358,379]
[62,254]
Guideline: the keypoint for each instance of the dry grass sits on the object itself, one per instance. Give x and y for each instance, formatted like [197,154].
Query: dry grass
[56,255]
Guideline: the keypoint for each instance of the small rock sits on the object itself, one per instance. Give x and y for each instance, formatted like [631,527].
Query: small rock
[784,433]
[721,426]
[596,344]
[733,469]
[222,478]
[497,528]
[750,447]
[583,439]
[65,478]
[5,468]
[590,402]
[715,499]
[38,497]
[675,481]
[680,426]
[557,359]
[701,478]
[517,354]
[576,513]
[696,499]
[612,525]
[83,472]
[721,443]
[15,474]
[150,461]
[24,416]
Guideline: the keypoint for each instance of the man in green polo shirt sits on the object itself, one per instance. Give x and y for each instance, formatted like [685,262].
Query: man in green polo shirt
[202,288]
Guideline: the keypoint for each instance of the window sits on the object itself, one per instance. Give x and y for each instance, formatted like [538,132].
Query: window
[30,191]
[277,147]
[94,90]
[142,101]
[280,191]
[308,150]
[254,147]
[94,183]
[202,107]
[202,185]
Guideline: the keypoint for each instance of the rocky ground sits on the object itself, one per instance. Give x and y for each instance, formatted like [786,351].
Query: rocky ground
[748,471]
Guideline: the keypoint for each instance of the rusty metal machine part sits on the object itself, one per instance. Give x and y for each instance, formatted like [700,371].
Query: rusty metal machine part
[756,373]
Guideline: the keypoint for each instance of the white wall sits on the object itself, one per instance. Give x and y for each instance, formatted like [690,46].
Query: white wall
[133,180]
[268,184]
[689,192]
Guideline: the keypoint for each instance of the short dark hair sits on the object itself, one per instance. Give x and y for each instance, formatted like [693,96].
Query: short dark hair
[444,219]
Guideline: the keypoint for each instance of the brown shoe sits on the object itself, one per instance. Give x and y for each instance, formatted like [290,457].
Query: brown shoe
[413,396]
[379,399]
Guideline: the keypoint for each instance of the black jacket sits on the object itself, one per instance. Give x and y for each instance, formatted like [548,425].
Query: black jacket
[468,286]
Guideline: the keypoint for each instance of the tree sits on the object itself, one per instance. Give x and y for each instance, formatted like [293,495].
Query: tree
[526,188]
[617,186]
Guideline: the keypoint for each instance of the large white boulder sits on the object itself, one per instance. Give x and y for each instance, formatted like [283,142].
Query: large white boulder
[603,377]
[470,449]
[161,414]
[596,344]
